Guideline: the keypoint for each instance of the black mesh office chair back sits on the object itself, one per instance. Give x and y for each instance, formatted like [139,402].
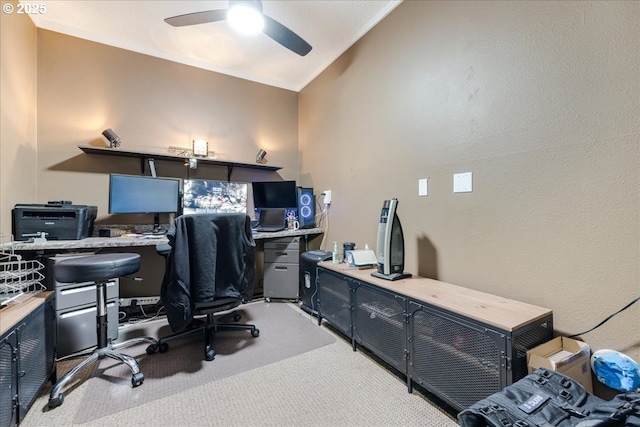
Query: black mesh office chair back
[210,268]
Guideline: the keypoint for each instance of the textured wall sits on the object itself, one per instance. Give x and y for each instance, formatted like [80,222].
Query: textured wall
[541,102]
[18,71]
[152,104]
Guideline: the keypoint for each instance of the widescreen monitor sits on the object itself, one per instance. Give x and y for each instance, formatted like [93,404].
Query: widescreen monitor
[207,196]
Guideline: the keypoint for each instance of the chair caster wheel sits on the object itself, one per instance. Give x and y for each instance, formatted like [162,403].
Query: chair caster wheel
[137,379]
[209,354]
[237,318]
[56,401]
[255,333]
[163,347]
[268,299]
[152,348]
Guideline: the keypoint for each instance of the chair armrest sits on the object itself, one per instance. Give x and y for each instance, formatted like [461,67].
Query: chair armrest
[163,249]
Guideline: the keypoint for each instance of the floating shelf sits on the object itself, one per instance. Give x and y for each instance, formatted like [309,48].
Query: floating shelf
[144,156]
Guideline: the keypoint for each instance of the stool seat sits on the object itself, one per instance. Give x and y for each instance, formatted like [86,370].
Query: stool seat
[94,268]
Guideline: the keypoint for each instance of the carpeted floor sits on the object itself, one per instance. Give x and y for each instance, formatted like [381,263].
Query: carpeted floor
[183,367]
[294,373]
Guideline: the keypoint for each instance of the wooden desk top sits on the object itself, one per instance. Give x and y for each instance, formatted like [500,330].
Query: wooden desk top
[18,310]
[503,313]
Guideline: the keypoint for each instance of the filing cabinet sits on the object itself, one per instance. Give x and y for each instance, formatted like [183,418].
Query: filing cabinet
[75,307]
[281,267]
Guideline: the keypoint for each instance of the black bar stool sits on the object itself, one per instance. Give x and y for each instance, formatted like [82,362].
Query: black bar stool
[100,269]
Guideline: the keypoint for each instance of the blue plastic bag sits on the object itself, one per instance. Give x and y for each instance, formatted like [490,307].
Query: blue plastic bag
[616,370]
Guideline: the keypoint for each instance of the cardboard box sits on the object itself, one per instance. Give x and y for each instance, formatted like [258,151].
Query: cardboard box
[564,355]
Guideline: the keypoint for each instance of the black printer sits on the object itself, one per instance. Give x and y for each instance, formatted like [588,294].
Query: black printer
[59,220]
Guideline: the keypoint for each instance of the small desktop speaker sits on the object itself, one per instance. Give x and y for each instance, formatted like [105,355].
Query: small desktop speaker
[306,207]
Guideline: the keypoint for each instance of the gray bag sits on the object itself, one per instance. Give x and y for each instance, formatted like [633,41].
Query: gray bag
[549,399]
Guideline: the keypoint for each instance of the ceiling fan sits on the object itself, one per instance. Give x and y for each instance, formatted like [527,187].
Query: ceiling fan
[267,25]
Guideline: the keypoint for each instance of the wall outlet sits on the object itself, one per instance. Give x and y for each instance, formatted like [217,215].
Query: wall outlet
[137,301]
[463,182]
[327,197]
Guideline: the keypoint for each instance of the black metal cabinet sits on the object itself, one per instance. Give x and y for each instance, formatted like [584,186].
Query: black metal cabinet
[334,300]
[8,378]
[458,358]
[379,323]
[27,357]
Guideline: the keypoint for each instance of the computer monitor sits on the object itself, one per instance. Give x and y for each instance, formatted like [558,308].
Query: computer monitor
[210,196]
[390,245]
[275,195]
[137,194]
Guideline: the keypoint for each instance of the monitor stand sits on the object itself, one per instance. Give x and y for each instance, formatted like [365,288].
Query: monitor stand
[156,226]
[392,276]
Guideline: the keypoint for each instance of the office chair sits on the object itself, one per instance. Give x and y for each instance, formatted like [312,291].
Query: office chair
[100,268]
[210,267]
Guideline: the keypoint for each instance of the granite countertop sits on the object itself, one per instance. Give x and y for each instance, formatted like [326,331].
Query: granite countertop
[129,241]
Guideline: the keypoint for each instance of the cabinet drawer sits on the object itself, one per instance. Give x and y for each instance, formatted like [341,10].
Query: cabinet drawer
[74,294]
[281,280]
[285,243]
[77,327]
[286,255]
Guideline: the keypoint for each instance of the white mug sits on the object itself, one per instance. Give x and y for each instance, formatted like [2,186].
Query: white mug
[296,225]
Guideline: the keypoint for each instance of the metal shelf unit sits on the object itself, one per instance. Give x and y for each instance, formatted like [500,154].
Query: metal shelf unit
[454,353]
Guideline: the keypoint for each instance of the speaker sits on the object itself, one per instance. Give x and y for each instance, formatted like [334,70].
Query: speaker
[306,207]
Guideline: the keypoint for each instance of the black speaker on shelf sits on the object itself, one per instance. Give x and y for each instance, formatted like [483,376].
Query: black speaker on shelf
[306,207]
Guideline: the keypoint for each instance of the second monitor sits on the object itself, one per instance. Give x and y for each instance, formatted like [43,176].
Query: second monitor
[272,199]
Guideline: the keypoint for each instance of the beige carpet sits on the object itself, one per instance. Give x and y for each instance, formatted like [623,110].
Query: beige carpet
[330,385]
[283,334]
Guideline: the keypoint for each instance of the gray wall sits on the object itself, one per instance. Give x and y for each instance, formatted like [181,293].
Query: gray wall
[541,102]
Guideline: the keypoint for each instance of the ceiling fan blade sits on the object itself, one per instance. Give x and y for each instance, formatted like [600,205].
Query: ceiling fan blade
[285,36]
[197,18]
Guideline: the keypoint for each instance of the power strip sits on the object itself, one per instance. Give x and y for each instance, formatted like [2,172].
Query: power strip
[132,302]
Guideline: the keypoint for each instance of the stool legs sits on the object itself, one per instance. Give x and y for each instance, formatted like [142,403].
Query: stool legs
[104,349]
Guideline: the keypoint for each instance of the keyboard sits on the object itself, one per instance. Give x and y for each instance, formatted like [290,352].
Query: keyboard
[268,228]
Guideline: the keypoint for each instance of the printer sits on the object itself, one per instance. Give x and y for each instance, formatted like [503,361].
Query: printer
[59,220]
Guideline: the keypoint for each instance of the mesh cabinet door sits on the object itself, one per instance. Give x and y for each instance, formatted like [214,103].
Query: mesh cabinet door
[34,367]
[379,324]
[334,300]
[456,359]
[8,380]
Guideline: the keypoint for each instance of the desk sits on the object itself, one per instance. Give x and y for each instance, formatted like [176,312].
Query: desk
[97,243]
[150,272]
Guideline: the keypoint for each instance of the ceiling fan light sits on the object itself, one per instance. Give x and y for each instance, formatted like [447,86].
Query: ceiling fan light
[245,19]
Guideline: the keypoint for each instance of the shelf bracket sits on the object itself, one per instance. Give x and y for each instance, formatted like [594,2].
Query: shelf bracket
[229,171]
[142,166]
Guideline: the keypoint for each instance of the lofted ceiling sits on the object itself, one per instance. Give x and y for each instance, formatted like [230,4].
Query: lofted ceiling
[330,26]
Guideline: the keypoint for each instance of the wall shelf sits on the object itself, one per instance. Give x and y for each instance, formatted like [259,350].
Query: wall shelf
[144,156]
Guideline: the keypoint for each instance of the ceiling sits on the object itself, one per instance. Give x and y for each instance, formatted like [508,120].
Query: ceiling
[330,26]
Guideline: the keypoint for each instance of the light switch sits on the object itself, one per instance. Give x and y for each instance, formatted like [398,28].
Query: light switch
[422,187]
[462,182]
